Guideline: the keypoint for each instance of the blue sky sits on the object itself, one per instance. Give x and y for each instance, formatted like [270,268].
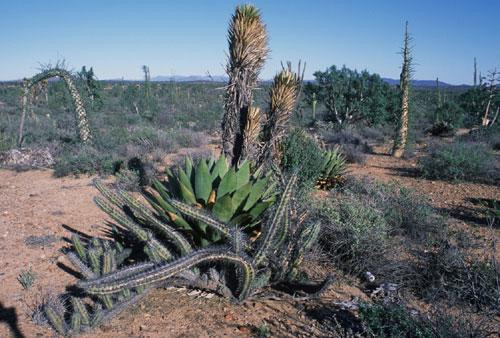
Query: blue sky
[188,37]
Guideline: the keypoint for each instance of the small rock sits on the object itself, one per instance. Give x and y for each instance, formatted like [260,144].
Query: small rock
[244,330]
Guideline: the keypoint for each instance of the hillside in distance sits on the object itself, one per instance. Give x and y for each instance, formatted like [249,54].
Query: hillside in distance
[224,78]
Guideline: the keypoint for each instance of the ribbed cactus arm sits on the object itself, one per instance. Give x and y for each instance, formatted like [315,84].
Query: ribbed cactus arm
[121,199]
[274,228]
[109,285]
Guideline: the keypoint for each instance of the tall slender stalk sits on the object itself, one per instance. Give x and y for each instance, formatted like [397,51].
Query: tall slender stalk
[404,84]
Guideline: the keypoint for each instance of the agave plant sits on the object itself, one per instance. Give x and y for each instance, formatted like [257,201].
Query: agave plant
[230,194]
[332,169]
[273,259]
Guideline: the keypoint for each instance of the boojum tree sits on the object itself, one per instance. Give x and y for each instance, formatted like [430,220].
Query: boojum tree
[401,140]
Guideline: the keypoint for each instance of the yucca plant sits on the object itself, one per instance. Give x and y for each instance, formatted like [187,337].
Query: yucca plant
[246,134]
[248,49]
[231,194]
[332,170]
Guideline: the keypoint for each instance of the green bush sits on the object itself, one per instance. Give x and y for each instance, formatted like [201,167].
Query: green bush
[355,236]
[83,160]
[395,320]
[404,210]
[301,153]
[450,273]
[458,161]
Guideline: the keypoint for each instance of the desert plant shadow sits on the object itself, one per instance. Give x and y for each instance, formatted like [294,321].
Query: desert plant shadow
[9,316]
[333,319]
[469,215]
[70,270]
[401,171]
[75,232]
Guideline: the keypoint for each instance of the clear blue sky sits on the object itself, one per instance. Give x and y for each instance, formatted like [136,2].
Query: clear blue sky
[189,37]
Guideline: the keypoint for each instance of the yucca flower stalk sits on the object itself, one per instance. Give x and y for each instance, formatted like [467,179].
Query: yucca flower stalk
[283,95]
[248,49]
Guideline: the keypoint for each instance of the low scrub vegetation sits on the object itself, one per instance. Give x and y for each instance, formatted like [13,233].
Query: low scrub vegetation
[459,161]
[396,320]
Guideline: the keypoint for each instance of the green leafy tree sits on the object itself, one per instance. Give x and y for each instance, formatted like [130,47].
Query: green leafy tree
[350,96]
[92,87]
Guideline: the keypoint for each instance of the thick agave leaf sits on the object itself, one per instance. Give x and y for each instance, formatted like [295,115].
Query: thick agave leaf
[203,182]
[187,194]
[228,183]
[189,167]
[220,169]
[243,174]
[241,194]
[210,163]
[182,183]
[224,208]
[256,193]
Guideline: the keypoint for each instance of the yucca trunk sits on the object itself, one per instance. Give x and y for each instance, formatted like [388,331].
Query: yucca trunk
[82,122]
[24,104]
[248,50]
[404,83]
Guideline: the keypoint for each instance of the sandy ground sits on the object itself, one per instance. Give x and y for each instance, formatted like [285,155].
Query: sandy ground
[34,203]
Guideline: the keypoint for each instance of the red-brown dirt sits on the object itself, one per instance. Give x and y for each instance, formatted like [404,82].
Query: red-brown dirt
[34,203]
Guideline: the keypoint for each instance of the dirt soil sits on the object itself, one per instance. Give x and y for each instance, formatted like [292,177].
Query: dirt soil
[37,211]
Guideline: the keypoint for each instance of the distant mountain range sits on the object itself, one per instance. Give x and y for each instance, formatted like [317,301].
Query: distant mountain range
[190,78]
[223,78]
[423,83]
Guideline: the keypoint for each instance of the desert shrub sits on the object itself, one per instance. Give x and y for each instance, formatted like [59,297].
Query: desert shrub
[489,136]
[442,129]
[378,134]
[458,161]
[4,145]
[404,210]
[353,146]
[354,235]
[186,138]
[301,153]
[449,113]
[395,320]
[450,273]
[83,160]
[27,278]
[349,96]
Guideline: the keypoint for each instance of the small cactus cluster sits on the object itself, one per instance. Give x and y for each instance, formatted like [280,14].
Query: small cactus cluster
[332,170]
[93,258]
